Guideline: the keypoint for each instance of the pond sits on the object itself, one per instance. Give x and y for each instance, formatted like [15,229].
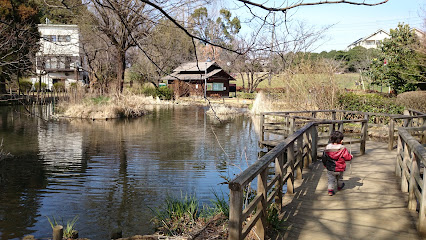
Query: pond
[111,174]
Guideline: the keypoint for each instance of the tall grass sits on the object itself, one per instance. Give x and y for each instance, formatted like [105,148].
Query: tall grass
[181,215]
[125,105]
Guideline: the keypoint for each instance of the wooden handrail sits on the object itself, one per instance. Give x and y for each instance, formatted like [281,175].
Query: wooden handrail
[286,168]
[411,155]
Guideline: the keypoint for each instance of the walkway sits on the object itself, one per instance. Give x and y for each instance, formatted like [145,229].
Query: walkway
[371,206]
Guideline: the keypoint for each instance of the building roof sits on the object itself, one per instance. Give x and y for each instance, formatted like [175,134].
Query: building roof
[365,38]
[193,71]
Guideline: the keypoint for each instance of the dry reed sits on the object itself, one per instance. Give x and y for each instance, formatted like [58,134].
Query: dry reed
[116,106]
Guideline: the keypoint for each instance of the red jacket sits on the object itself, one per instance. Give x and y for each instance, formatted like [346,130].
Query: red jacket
[341,155]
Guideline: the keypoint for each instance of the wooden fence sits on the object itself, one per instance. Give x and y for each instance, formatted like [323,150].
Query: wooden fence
[410,167]
[288,159]
[303,131]
[391,122]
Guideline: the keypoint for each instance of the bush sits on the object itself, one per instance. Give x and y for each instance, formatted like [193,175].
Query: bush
[59,86]
[246,95]
[369,103]
[149,91]
[414,100]
[25,86]
[37,86]
[164,93]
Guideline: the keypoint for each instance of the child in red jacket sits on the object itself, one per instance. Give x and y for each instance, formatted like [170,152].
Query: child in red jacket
[338,155]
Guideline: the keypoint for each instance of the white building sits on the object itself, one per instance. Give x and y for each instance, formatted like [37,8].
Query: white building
[59,58]
[371,41]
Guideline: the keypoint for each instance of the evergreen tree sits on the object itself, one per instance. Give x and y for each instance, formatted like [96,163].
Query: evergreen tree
[399,65]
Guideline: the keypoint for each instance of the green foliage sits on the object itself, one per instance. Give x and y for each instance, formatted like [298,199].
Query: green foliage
[25,86]
[177,214]
[100,100]
[37,86]
[59,86]
[149,91]
[404,67]
[369,103]
[69,230]
[275,223]
[163,92]
[180,214]
[221,31]
[73,85]
[245,95]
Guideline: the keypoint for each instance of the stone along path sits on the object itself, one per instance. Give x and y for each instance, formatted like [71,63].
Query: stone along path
[371,206]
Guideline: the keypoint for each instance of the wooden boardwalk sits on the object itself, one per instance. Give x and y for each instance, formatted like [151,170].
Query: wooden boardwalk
[371,206]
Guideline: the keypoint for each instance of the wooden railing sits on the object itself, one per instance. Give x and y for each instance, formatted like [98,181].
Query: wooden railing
[288,159]
[292,154]
[410,167]
[377,120]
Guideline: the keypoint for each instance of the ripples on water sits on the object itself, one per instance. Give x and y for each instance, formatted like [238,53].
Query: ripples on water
[110,173]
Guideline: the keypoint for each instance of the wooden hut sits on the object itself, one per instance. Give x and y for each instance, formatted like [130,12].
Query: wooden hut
[192,79]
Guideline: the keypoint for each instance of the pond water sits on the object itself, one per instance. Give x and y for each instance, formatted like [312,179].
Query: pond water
[112,173]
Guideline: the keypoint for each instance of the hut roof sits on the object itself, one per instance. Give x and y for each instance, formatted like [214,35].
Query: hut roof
[193,71]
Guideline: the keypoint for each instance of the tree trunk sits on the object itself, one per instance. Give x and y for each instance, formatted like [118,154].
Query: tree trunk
[121,66]
[3,85]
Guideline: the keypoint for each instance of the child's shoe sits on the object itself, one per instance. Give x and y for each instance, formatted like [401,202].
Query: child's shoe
[330,192]
[340,188]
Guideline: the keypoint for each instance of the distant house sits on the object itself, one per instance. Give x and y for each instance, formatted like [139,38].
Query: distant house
[374,40]
[371,41]
[189,80]
[59,57]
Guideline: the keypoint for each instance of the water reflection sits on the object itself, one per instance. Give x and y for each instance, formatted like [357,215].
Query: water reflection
[111,173]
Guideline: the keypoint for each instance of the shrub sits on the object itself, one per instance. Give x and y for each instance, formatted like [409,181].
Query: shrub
[149,91]
[164,93]
[246,95]
[414,100]
[25,86]
[59,86]
[37,86]
[369,103]
[73,85]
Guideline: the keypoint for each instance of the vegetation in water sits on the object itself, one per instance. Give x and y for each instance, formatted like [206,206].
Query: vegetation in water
[69,229]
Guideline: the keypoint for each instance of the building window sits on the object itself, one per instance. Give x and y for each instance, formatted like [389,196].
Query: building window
[61,62]
[209,87]
[53,63]
[64,38]
[217,86]
[371,42]
[50,38]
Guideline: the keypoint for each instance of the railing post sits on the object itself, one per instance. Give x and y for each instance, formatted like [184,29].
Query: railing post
[422,222]
[406,156]
[291,126]
[307,140]
[391,133]
[279,163]
[262,127]
[235,214]
[340,126]
[398,157]
[299,157]
[364,132]
[261,206]
[314,142]
[290,160]
[58,232]
[412,203]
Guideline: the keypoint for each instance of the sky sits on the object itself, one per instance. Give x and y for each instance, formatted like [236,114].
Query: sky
[351,22]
